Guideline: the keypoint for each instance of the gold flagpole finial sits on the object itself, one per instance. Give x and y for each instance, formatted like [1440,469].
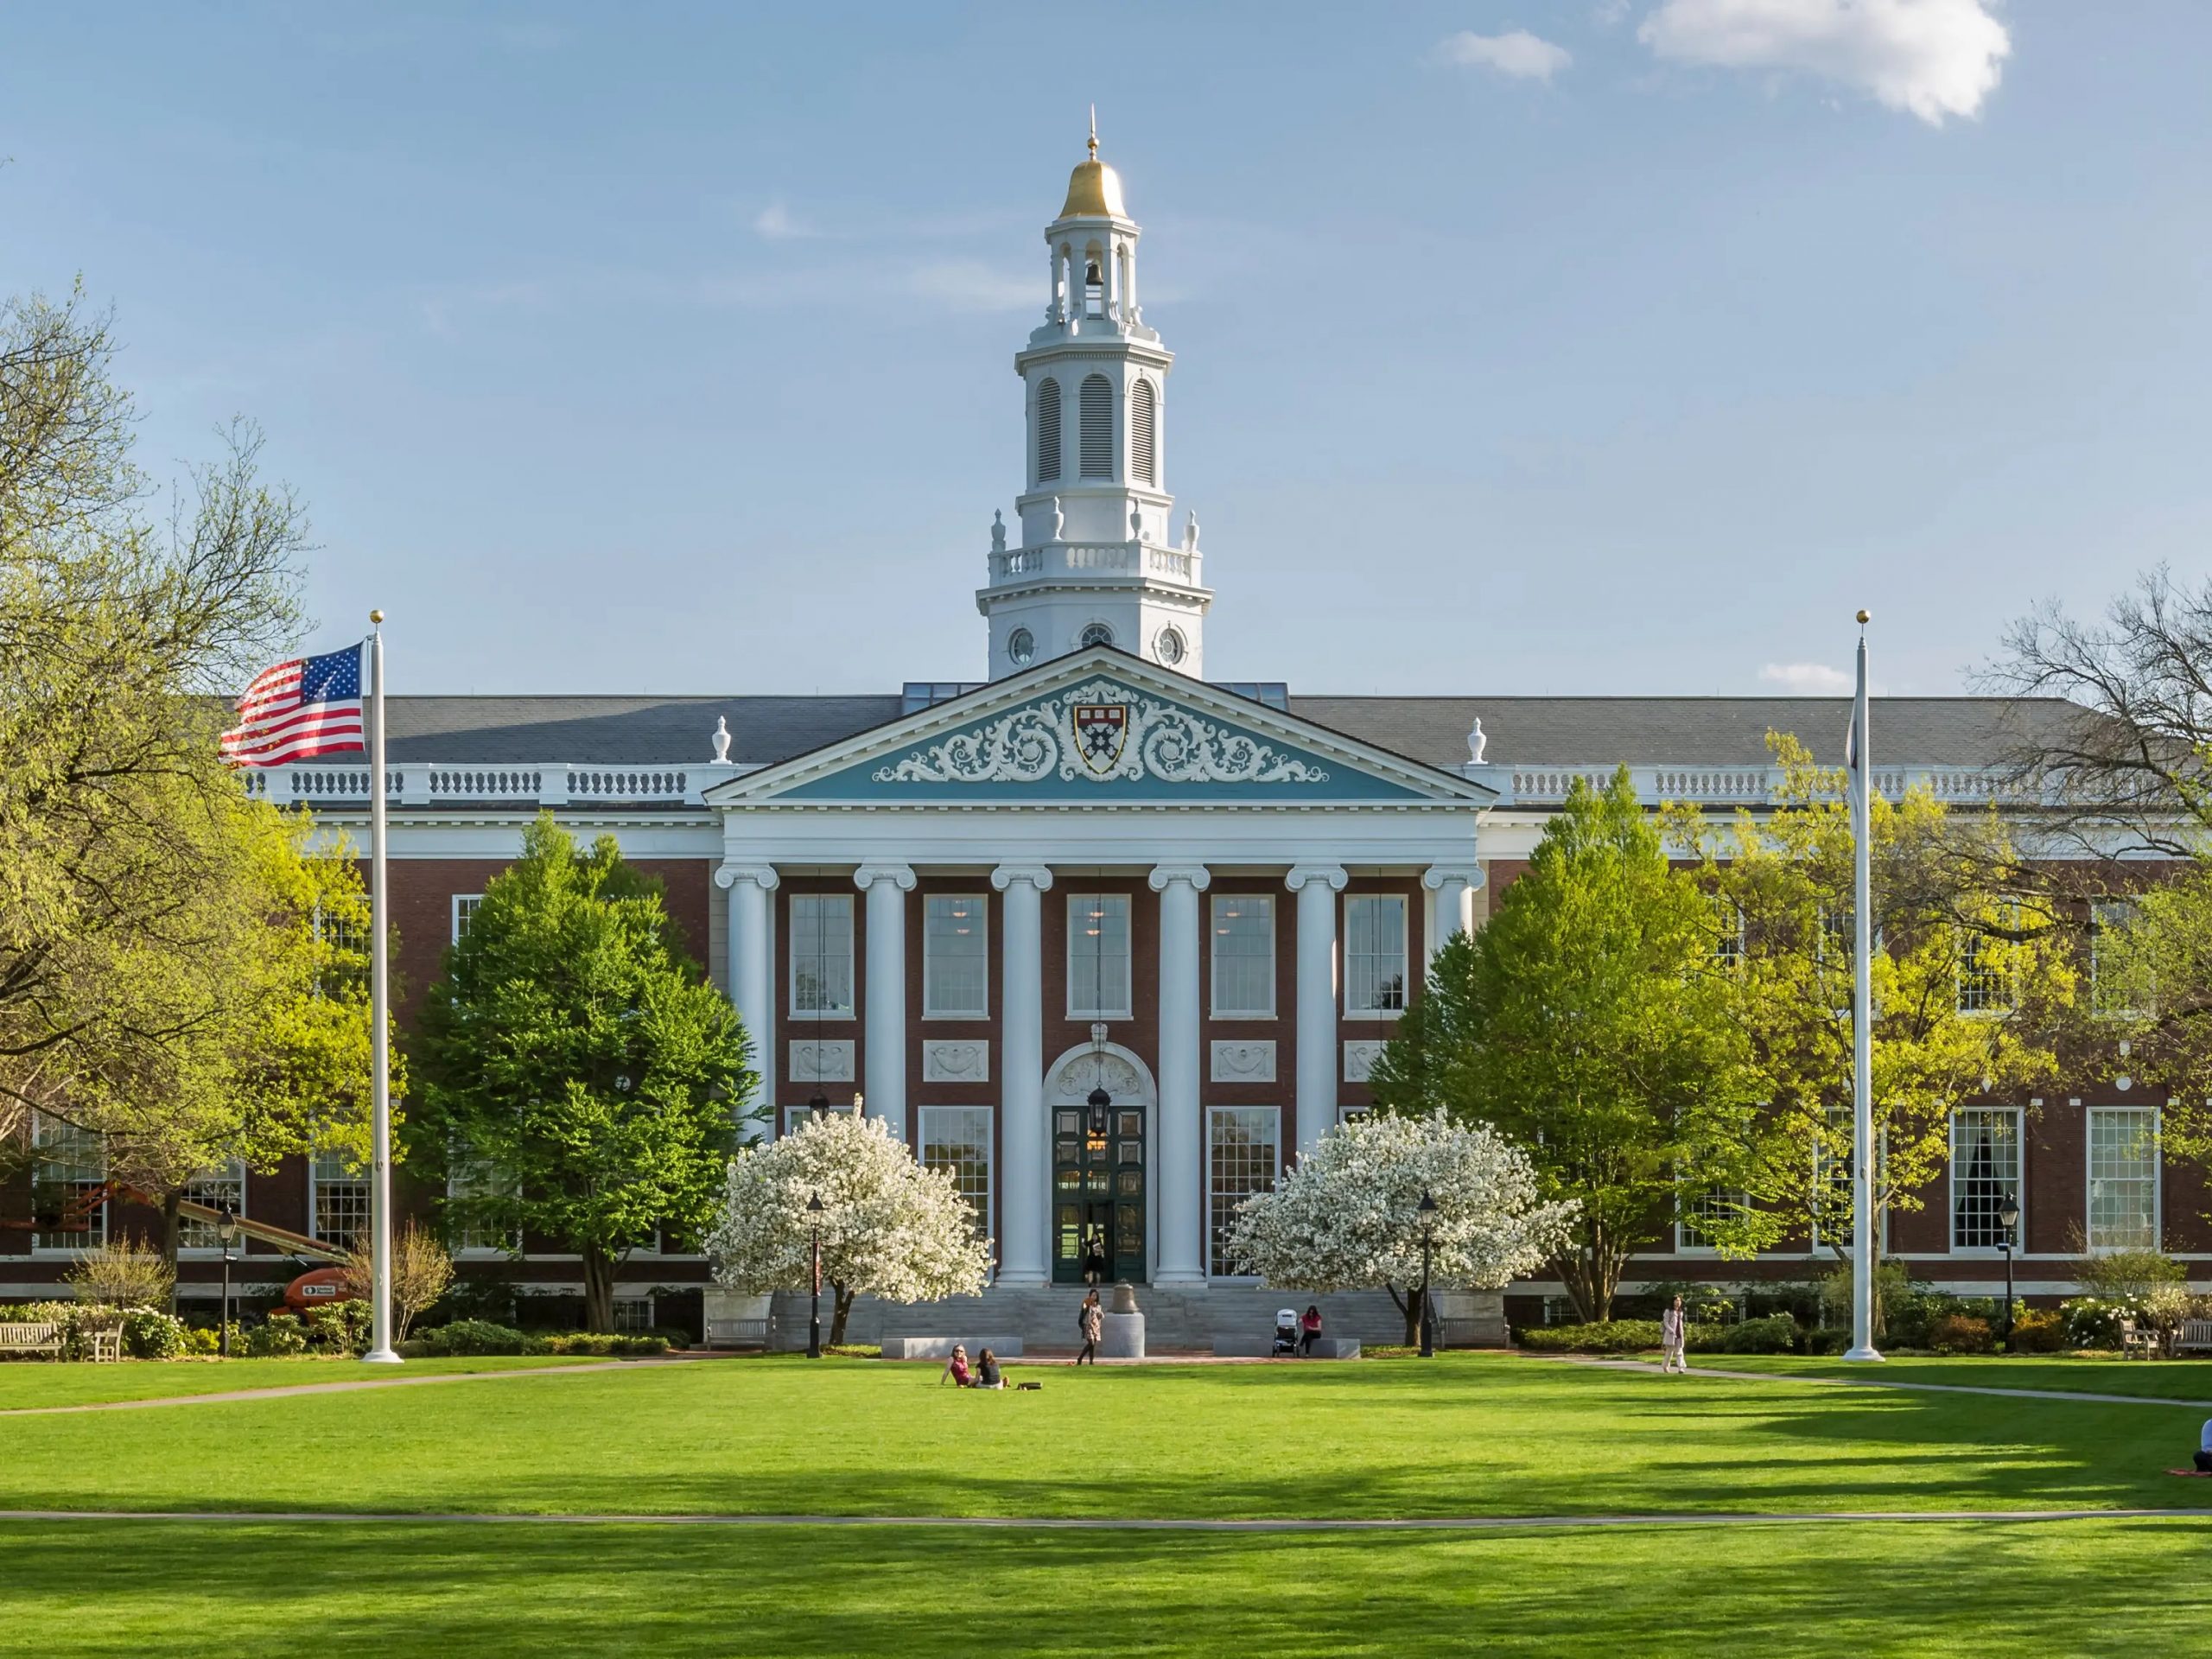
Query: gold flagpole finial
[376,618]
[1094,132]
[1864,617]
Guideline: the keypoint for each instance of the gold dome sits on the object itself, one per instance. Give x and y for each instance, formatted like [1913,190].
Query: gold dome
[1094,188]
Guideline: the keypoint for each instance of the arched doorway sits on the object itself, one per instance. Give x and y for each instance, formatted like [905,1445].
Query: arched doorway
[1101,1162]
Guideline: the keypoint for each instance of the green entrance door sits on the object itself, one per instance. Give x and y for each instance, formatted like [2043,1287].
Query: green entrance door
[1098,1192]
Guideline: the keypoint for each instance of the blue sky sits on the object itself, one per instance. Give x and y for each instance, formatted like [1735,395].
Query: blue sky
[1522,348]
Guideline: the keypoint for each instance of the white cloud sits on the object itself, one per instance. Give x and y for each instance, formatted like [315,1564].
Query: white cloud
[1609,13]
[969,285]
[775,223]
[1516,53]
[1806,679]
[1935,58]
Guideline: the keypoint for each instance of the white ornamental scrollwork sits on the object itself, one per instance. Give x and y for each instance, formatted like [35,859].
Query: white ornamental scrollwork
[1040,741]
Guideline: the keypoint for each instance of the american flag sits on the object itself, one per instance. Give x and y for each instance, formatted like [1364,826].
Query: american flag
[309,706]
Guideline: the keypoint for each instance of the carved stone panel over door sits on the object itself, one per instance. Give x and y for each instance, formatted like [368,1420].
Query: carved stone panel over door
[1245,1061]
[1359,1060]
[958,1059]
[826,1060]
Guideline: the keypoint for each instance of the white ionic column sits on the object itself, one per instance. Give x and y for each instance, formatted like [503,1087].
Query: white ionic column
[1317,886]
[1025,1176]
[1179,1159]
[752,974]
[1452,909]
[884,1074]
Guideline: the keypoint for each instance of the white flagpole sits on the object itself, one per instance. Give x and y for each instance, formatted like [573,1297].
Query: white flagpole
[381,1352]
[1862,1018]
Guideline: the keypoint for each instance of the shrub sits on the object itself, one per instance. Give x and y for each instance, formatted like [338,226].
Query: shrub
[1960,1333]
[2094,1321]
[2126,1276]
[278,1337]
[1894,1292]
[125,1275]
[471,1337]
[1829,1340]
[1611,1336]
[597,1342]
[2038,1331]
[339,1328]
[1776,1334]
[149,1333]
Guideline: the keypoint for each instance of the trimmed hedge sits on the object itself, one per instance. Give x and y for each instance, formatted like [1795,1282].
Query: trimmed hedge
[1776,1334]
[472,1338]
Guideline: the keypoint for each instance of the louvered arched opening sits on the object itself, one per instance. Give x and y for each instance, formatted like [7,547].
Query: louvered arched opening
[1096,402]
[1048,431]
[1140,453]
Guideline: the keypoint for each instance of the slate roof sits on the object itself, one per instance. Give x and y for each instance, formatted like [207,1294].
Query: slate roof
[1567,731]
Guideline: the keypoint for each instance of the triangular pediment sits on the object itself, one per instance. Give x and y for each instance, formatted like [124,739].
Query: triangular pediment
[1105,728]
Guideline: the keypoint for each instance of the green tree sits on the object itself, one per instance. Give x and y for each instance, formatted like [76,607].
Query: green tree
[1590,1023]
[1972,979]
[576,1069]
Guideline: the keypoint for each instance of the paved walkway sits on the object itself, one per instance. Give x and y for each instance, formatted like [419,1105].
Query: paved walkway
[2070,1395]
[351,1386]
[1109,1523]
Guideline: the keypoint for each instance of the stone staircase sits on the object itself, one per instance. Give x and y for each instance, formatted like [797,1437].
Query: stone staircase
[1182,1321]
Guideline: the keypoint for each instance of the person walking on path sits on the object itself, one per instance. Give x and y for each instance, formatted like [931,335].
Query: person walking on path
[1090,1323]
[1673,1333]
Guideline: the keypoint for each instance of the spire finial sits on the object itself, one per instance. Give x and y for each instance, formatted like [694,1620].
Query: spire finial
[1094,132]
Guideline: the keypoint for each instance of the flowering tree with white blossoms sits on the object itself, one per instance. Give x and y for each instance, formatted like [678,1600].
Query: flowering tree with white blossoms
[889,1227]
[1348,1215]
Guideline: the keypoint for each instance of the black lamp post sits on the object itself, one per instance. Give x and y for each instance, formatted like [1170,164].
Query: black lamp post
[1428,1210]
[2008,1217]
[226,1234]
[819,1105]
[814,1320]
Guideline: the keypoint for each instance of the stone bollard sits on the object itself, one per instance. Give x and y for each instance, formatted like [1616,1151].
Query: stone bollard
[1121,1328]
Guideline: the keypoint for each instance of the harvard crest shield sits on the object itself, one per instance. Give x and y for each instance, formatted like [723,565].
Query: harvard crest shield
[1101,729]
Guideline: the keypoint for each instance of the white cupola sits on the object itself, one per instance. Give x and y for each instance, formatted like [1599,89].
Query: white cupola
[1097,560]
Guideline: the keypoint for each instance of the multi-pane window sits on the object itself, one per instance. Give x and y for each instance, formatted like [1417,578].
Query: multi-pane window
[1375,954]
[1984,1172]
[218,1189]
[2110,991]
[1098,955]
[464,911]
[955,959]
[69,1167]
[340,1194]
[633,1315]
[1984,985]
[1244,955]
[1243,1154]
[348,940]
[1700,1212]
[468,1179]
[957,1138]
[1727,929]
[1834,1185]
[822,954]
[2123,1178]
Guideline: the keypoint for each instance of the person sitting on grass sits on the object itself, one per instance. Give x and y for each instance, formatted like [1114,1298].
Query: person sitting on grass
[2204,1449]
[986,1372]
[956,1368]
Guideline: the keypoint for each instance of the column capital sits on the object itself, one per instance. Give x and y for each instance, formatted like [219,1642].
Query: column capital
[1198,875]
[1436,875]
[763,876]
[868,875]
[1301,875]
[1035,874]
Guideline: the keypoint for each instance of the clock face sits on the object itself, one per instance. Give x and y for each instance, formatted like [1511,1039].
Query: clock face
[1022,646]
[1169,646]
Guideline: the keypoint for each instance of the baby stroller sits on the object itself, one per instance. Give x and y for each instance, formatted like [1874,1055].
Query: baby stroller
[1286,1344]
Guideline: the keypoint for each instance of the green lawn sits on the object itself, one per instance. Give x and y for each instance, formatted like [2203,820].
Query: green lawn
[2161,1379]
[43,1383]
[1464,1435]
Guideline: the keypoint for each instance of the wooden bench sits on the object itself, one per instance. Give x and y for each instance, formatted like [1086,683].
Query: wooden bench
[2138,1340]
[32,1339]
[2193,1336]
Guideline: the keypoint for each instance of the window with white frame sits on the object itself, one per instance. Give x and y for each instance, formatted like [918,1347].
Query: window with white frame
[464,911]
[822,954]
[218,1189]
[468,1179]
[1700,1212]
[633,1315]
[347,939]
[338,1198]
[1727,929]
[957,1139]
[1244,955]
[1984,1172]
[1375,954]
[1243,1156]
[68,1167]
[2110,988]
[1833,1185]
[956,956]
[2123,1178]
[1098,955]
[1985,983]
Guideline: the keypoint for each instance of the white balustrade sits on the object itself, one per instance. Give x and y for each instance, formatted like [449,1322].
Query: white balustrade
[1062,558]
[1740,785]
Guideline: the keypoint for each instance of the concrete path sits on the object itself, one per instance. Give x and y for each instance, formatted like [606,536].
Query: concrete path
[352,1386]
[1651,1369]
[1109,1523]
